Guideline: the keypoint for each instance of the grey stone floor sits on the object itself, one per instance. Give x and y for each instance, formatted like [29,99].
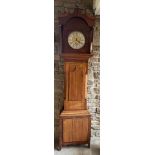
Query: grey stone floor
[81,149]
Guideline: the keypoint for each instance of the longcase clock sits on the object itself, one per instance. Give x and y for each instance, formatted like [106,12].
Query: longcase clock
[76,32]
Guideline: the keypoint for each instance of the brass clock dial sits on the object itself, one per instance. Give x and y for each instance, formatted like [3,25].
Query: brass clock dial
[76,39]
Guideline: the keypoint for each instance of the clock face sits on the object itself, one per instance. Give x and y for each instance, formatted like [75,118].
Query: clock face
[76,40]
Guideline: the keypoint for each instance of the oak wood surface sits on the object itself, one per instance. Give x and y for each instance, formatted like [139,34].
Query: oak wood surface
[75,127]
[67,130]
[75,85]
[75,113]
[80,129]
[74,105]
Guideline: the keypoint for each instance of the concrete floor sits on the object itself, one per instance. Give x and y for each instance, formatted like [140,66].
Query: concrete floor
[80,149]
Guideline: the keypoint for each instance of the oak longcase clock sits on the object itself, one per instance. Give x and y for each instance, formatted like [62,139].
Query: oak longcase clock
[76,32]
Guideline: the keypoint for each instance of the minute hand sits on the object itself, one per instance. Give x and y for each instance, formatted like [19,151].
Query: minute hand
[78,41]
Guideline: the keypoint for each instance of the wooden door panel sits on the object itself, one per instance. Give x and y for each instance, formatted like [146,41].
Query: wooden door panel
[76,82]
[67,130]
[80,129]
[75,86]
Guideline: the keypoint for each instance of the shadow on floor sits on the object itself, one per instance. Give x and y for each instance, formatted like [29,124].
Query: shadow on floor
[79,150]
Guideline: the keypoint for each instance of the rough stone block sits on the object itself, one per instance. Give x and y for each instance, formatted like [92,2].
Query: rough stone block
[97,134]
[95,127]
[58,75]
[96,75]
[95,64]
[96,48]
[93,133]
[97,97]
[58,2]
[98,110]
[95,122]
[69,5]
[90,82]
[92,109]
[96,68]
[56,66]
[58,10]
[97,115]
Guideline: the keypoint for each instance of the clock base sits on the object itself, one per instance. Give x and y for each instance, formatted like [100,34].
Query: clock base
[75,128]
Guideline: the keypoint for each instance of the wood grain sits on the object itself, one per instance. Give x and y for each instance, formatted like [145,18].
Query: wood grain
[80,129]
[75,113]
[75,85]
[67,130]
[75,127]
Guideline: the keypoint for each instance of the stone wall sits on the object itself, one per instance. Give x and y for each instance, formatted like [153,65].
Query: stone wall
[93,99]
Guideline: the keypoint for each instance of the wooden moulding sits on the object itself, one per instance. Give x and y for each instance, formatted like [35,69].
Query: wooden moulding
[75,105]
[75,113]
[64,17]
[75,57]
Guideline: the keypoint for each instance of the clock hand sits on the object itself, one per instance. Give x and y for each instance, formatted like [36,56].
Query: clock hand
[78,41]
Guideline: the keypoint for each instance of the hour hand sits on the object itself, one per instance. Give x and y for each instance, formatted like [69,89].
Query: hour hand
[78,41]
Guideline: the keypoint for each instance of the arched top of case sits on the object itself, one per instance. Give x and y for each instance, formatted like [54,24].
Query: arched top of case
[66,17]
